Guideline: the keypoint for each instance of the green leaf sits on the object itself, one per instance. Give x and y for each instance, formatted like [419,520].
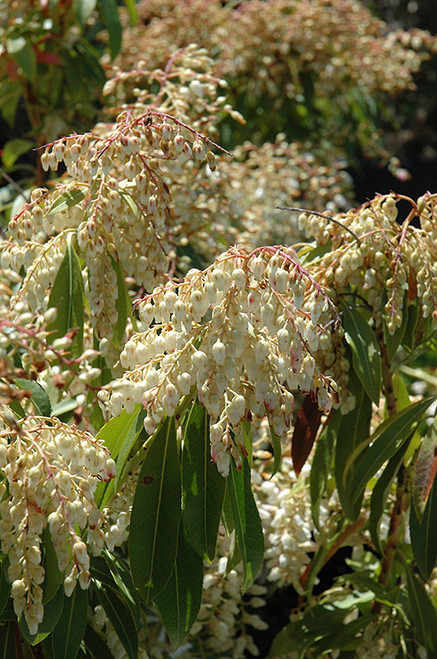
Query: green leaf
[179,603]
[422,612]
[5,589]
[119,434]
[24,54]
[83,9]
[386,441]
[380,494]
[123,582]
[425,470]
[322,463]
[8,641]
[39,397]
[246,428]
[120,617]
[409,338]
[132,10]
[111,19]
[156,514]
[67,297]
[277,451]
[366,356]
[423,535]
[248,527]
[95,644]
[64,406]
[68,633]
[53,576]
[123,305]
[203,487]
[66,200]
[352,433]
[13,149]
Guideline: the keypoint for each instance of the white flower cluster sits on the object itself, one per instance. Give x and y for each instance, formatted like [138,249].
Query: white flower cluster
[237,333]
[374,251]
[284,505]
[50,474]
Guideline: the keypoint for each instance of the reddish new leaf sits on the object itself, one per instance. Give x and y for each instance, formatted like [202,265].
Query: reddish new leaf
[305,431]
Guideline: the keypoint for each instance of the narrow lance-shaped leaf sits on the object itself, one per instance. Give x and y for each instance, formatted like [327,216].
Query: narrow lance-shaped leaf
[425,470]
[66,200]
[386,441]
[248,527]
[179,603]
[112,22]
[203,487]
[38,395]
[423,535]
[366,357]
[123,304]
[380,494]
[156,514]
[352,433]
[120,617]
[423,612]
[68,633]
[67,297]
[322,463]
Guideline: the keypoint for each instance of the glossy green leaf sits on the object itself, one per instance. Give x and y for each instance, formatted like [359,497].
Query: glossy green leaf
[425,470]
[68,633]
[9,642]
[66,200]
[248,527]
[120,431]
[386,442]
[203,487]
[111,20]
[123,582]
[13,149]
[39,397]
[64,406]
[179,603]
[246,428]
[409,338]
[67,296]
[122,304]
[95,644]
[322,463]
[156,514]
[120,617]
[422,612]
[5,589]
[423,535]
[366,357]
[381,492]
[277,451]
[352,433]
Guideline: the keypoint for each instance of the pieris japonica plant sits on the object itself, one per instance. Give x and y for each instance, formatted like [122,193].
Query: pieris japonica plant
[191,421]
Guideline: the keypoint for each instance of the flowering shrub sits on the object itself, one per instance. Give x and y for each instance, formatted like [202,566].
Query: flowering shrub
[159,365]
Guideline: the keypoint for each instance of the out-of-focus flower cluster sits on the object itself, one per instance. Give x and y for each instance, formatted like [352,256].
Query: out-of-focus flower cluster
[288,53]
[375,251]
[243,333]
[50,472]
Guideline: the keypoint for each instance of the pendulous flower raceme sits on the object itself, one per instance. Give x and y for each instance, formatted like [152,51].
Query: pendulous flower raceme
[242,334]
[390,262]
[50,472]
